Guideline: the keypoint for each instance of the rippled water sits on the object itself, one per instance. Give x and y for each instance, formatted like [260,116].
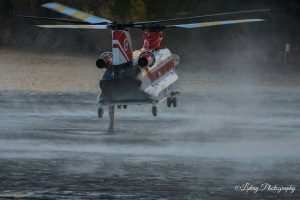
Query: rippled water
[53,146]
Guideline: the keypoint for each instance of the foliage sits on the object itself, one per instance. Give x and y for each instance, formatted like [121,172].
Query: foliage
[267,39]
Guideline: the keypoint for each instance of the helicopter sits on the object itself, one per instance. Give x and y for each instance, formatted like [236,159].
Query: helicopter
[143,76]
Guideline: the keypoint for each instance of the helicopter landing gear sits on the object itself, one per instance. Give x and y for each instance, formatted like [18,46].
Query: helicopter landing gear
[169,102]
[120,106]
[154,111]
[100,112]
[172,100]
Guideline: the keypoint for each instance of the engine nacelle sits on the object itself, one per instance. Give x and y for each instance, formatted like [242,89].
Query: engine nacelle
[147,59]
[105,60]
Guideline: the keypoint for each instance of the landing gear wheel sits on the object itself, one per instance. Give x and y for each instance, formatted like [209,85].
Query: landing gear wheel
[169,102]
[174,102]
[124,106]
[154,111]
[100,113]
[119,106]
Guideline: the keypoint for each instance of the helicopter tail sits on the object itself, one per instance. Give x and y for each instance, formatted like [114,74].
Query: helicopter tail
[121,47]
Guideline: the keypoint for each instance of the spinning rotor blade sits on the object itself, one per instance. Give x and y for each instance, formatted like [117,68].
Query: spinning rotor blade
[83,26]
[88,21]
[216,23]
[76,13]
[200,16]
[51,19]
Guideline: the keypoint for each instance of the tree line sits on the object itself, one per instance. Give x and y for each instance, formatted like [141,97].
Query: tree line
[266,40]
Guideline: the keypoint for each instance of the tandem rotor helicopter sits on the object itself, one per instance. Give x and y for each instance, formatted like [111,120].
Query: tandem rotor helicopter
[144,76]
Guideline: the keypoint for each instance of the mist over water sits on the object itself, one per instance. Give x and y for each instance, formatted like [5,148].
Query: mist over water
[215,106]
[232,126]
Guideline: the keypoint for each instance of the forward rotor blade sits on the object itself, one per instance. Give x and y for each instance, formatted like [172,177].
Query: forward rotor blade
[95,27]
[216,23]
[201,16]
[75,13]
[50,19]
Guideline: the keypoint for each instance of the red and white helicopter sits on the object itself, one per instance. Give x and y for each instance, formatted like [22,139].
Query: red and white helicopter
[144,76]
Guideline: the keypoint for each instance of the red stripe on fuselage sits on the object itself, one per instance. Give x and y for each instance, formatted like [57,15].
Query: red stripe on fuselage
[124,45]
[120,48]
[153,76]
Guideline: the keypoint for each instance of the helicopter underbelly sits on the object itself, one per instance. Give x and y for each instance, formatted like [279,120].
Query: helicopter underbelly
[122,91]
[129,91]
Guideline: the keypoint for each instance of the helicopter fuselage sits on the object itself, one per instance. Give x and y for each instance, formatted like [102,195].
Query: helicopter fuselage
[148,76]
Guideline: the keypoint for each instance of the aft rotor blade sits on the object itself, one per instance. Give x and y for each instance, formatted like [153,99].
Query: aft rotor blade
[201,16]
[216,23]
[83,26]
[65,10]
